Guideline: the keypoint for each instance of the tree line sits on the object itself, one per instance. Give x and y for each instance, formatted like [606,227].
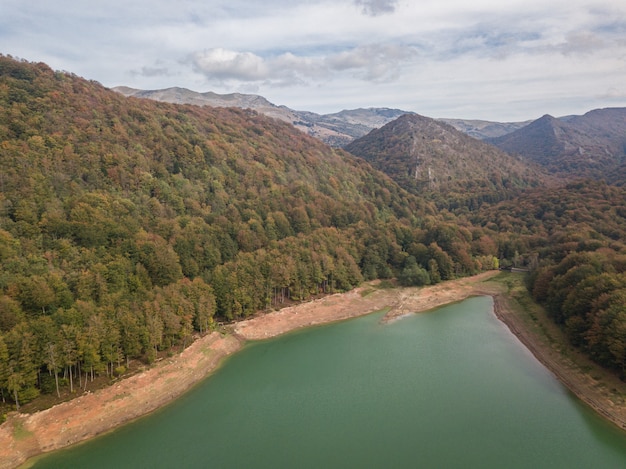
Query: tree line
[127,227]
[572,239]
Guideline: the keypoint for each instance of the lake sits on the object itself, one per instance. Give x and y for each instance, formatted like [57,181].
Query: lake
[450,388]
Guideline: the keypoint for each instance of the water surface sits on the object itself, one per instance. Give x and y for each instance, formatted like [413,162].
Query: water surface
[451,388]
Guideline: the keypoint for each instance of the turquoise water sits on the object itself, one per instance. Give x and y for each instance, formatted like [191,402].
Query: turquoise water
[452,388]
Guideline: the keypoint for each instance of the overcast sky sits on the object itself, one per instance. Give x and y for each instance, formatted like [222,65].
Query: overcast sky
[502,60]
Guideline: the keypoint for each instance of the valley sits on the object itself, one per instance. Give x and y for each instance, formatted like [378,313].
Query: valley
[132,228]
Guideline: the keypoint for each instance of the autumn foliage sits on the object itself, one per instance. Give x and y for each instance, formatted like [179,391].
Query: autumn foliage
[128,226]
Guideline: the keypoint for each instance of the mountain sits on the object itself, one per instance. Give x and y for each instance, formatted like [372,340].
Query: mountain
[425,155]
[484,129]
[336,129]
[179,189]
[591,145]
[128,226]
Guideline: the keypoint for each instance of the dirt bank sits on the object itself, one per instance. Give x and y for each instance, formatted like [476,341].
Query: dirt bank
[599,389]
[363,300]
[26,435]
[23,436]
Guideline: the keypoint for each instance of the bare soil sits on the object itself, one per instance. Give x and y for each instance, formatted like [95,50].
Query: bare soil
[24,436]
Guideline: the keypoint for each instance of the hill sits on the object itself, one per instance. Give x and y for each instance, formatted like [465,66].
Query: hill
[571,239]
[483,130]
[591,145]
[426,156]
[336,129]
[128,226]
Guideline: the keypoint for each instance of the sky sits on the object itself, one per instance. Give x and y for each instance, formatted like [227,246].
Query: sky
[498,60]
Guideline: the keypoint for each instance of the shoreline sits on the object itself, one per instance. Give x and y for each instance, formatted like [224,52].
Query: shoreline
[591,391]
[24,436]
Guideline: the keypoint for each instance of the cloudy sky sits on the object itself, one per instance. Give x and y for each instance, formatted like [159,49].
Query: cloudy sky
[501,60]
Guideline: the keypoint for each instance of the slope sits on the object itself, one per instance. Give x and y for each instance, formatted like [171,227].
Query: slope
[128,226]
[592,145]
[426,156]
[483,130]
[336,129]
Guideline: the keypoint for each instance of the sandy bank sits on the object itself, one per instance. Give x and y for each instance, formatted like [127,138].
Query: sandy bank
[23,436]
[599,389]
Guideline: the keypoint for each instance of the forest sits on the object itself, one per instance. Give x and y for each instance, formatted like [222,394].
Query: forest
[573,240]
[129,227]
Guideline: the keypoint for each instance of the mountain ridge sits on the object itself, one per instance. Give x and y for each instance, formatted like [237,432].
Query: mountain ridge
[425,155]
[336,129]
[590,145]
[481,129]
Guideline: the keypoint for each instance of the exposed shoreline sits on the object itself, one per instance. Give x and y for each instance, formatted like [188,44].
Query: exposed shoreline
[604,399]
[24,436]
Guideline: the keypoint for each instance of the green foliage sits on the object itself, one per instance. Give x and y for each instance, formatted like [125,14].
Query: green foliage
[571,239]
[413,275]
[128,225]
[431,159]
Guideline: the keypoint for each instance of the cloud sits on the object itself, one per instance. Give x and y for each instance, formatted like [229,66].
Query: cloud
[377,7]
[151,72]
[374,63]
[613,93]
[437,57]
[226,64]
[581,42]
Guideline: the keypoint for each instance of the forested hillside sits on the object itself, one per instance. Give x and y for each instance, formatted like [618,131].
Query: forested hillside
[591,145]
[573,240]
[434,160]
[127,226]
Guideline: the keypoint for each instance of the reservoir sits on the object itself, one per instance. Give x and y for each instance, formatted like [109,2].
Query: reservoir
[450,388]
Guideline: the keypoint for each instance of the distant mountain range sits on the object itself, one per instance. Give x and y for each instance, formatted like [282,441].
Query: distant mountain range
[337,129]
[425,155]
[591,145]
[483,130]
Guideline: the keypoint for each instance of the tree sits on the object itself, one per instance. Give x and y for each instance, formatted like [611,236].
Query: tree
[154,328]
[15,383]
[22,367]
[36,294]
[10,313]
[445,265]
[89,347]
[53,362]
[4,367]
[68,335]
[48,345]
[433,271]
[159,259]
[131,333]
[413,275]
